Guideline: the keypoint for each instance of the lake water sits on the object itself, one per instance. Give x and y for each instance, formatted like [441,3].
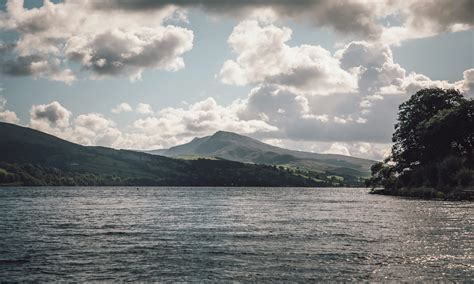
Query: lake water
[218,234]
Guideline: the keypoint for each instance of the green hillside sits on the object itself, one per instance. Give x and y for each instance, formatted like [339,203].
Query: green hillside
[235,147]
[30,157]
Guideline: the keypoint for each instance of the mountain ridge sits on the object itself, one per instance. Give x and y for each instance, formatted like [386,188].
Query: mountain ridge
[236,147]
[31,157]
[221,133]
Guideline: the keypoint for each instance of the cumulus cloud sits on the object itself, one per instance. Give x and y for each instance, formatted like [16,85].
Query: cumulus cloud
[118,52]
[312,95]
[373,64]
[364,113]
[94,129]
[338,148]
[86,129]
[106,43]
[52,114]
[264,56]
[122,107]
[6,115]
[303,118]
[143,108]
[33,65]
[467,84]
[373,151]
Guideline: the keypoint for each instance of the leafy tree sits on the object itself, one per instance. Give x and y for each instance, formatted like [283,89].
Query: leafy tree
[411,144]
[453,132]
[383,175]
[433,145]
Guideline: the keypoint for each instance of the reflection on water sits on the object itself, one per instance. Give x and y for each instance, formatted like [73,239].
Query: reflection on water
[246,234]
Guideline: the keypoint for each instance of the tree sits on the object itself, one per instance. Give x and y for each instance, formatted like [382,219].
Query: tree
[453,132]
[410,143]
[433,144]
[383,175]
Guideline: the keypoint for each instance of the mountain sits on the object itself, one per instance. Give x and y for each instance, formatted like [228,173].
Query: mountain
[31,157]
[235,147]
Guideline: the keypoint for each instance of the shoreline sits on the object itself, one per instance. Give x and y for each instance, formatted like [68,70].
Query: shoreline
[428,193]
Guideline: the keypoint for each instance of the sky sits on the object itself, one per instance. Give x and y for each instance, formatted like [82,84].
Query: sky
[314,75]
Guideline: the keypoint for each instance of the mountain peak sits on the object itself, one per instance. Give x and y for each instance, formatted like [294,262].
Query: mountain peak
[236,147]
[225,133]
[229,135]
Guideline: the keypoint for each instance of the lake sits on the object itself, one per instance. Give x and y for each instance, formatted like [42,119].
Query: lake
[219,234]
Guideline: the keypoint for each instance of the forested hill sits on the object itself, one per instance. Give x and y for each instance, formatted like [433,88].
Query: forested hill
[30,157]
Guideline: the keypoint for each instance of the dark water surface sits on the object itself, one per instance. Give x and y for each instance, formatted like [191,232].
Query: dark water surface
[243,234]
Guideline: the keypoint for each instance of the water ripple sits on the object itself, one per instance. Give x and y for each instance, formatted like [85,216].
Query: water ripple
[223,234]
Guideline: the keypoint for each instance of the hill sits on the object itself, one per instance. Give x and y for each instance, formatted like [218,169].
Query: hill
[329,168]
[31,157]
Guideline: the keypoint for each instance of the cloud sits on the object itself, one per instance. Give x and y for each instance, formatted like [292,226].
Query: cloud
[374,151]
[338,148]
[92,121]
[202,118]
[143,108]
[272,103]
[357,120]
[467,84]
[367,150]
[3,102]
[269,113]
[350,17]
[129,53]
[166,128]
[122,107]
[94,129]
[86,129]
[427,18]
[124,38]
[365,112]
[373,64]
[347,17]
[52,114]
[199,119]
[341,118]
[6,115]
[264,56]
[441,15]
[105,43]
[312,95]
[345,101]
[33,65]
